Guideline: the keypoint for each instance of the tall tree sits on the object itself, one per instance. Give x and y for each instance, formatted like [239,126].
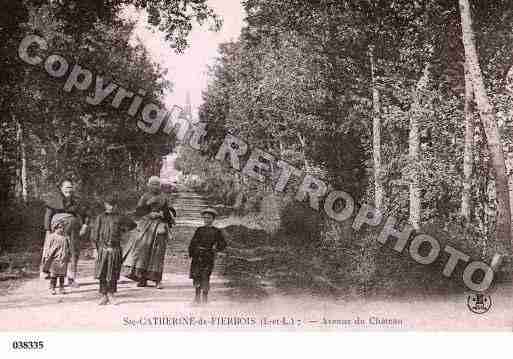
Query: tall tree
[22,185]
[468,155]
[488,118]
[376,135]
[414,145]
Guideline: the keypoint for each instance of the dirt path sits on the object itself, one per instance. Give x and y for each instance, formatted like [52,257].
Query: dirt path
[31,307]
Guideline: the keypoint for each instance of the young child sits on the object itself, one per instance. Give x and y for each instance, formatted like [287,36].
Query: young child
[57,254]
[106,234]
[207,240]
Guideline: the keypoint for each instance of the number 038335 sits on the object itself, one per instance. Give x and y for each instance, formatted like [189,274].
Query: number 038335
[27,345]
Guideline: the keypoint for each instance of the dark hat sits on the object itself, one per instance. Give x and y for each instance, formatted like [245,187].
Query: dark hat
[210,210]
[153,180]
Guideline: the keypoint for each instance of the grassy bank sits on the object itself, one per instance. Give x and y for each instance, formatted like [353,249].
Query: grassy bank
[307,254]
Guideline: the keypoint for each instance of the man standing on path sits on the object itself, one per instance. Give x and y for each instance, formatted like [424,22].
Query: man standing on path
[75,227]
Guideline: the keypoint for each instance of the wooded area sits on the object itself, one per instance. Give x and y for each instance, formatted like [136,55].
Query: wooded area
[49,134]
[402,104]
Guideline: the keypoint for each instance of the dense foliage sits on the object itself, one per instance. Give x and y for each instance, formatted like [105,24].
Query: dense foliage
[298,83]
[49,134]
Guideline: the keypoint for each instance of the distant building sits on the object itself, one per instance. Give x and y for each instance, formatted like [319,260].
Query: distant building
[169,174]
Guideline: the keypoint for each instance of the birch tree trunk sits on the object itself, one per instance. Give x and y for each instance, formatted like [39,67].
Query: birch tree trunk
[376,136]
[414,149]
[468,152]
[489,121]
[414,179]
[22,180]
[302,141]
[509,165]
[509,80]
[510,183]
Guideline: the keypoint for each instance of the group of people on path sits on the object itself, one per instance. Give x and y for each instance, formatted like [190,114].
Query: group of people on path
[67,223]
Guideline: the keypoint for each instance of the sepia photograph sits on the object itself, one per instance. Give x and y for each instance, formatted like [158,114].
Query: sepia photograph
[263,166]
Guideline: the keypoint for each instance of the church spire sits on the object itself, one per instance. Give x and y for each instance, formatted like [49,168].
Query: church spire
[188,106]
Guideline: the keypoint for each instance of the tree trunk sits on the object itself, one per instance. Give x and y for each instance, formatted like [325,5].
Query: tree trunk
[489,121]
[414,179]
[22,172]
[239,200]
[510,183]
[302,141]
[468,152]
[376,136]
[509,80]
[414,149]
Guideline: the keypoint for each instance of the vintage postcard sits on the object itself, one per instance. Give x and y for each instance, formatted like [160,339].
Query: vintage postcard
[256,165]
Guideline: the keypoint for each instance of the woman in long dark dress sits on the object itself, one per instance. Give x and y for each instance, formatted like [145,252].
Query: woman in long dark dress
[144,255]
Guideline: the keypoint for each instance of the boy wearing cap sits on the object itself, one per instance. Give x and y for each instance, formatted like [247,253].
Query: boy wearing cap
[58,253]
[207,240]
[106,234]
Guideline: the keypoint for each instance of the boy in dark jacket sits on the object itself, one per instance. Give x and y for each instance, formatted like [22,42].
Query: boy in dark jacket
[207,240]
[106,234]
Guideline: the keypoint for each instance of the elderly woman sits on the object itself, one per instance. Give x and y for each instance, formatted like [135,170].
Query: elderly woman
[65,201]
[144,255]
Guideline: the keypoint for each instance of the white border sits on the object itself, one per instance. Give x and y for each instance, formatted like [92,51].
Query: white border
[246,345]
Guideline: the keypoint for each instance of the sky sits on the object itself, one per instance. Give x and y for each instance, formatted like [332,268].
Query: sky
[188,70]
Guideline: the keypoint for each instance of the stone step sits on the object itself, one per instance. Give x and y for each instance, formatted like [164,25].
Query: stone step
[189,212]
[188,206]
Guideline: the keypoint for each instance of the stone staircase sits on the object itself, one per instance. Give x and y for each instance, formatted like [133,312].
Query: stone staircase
[188,206]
